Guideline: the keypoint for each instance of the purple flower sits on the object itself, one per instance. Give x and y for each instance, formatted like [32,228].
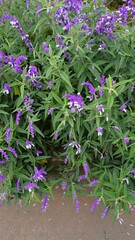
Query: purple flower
[64,185]
[100,108]
[116,128]
[76,103]
[123,108]
[31,128]
[8,133]
[39,175]
[45,47]
[102,46]
[38,10]
[66,159]
[27,3]
[82,177]
[51,110]
[13,151]
[59,41]
[7,89]
[126,139]
[132,88]
[2,162]
[28,103]
[18,116]
[91,88]
[86,168]
[94,182]
[18,62]
[77,146]
[50,85]
[4,154]
[100,131]
[56,134]
[45,202]
[30,186]
[77,205]
[32,75]
[95,203]
[105,212]
[39,152]
[132,172]
[29,144]
[102,83]
[76,202]
[18,185]
[2,178]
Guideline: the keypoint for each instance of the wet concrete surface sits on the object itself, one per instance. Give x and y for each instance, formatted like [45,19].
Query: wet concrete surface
[61,222]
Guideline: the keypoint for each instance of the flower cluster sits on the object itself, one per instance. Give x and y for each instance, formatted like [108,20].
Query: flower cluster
[39,175]
[76,103]
[32,75]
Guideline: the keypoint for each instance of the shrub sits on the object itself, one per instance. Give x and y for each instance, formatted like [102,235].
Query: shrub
[67,91]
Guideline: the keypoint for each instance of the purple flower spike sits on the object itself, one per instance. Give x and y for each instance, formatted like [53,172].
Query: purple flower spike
[126,139]
[64,185]
[50,85]
[39,175]
[91,88]
[95,203]
[2,178]
[31,127]
[2,162]
[82,177]
[77,205]
[100,131]
[45,47]
[30,186]
[105,212]
[94,182]
[45,203]
[27,3]
[51,110]
[7,89]
[86,168]
[38,10]
[18,185]
[18,116]
[66,159]
[4,154]
[29,144]
[13,151]
[8,133]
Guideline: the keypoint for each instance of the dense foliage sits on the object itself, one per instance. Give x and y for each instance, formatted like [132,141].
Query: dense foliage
[67,71]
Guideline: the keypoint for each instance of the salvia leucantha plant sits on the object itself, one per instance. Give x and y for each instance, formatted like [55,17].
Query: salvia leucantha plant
[67,87]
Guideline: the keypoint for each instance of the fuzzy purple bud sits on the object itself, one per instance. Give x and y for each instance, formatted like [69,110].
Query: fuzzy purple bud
[126,139]
[86,168]
[30,186]
[13,151]
[94,182]
[8,133]
[31,129]
[45,47]
[4,154]
[105,212]
[45,203]
[18,116]
[18,185]
[95,203]
[99,131]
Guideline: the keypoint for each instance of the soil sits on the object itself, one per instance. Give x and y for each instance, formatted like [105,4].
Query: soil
[61,222]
